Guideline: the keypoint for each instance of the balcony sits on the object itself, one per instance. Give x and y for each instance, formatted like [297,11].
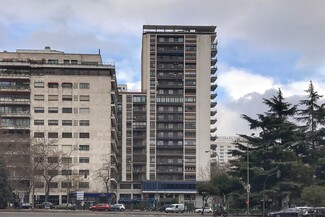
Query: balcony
[213,112]
[170,129]
[174,50]
[139,146]
[139,171]
[170,76]
[214,61]
[213,70]
[14,101]
[170,59]
[169,67]
[175,146]
[213,78]
[214,49]
[213,95]
[170,85]
[213,129]
[213,104]
[165,162]
[213,87]
[14,88]
[168,171]
[15,114]
[213,146]
[169,153]
[213,138]
[213,121]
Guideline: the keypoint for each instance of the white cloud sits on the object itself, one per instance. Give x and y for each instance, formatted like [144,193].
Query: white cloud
[237,83]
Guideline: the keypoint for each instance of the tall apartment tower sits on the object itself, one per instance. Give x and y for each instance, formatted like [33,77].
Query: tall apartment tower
[70,99]
[167,128]
[177,64]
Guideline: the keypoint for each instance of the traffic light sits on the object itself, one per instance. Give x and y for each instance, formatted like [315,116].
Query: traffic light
[278,173]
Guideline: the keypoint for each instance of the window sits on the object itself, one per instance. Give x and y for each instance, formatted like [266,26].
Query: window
[67,85]
[84,123]
[84,97]
[39,135]
[53,85]
[53,110]
[53,184]
[67,98]
[66,122]
[53,97]
[53,122]
[66,110]
[53,135]
[84,110]
[84,160]
[84,135]
[83,147]
[66,184]
[39,97]
[52,159]
[39,110]
[66,135]
[84,173]
[66,160]
[39,184]
[74,61]
[66,61]
[52,61]
[83,184]
[39,122]
[39,84]
[84,86]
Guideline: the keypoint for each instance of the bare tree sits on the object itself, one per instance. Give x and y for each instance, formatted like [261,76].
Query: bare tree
[13,154]
[72,179]
[46,159]
[105,174]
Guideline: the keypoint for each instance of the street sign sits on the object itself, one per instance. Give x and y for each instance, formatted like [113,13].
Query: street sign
[80,195]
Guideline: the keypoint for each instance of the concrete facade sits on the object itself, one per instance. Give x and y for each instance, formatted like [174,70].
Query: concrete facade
[72,102]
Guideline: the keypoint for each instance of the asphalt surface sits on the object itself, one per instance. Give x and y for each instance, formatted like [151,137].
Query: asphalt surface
[70,213]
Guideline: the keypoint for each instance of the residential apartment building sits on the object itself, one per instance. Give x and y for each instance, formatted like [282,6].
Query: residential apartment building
[167,133]
[225,144]
[70,99]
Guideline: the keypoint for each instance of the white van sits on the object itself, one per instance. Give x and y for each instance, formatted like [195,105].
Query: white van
[177,207]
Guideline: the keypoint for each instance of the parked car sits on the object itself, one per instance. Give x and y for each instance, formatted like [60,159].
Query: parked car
[65,206]
[44,205]
[118,207]
[289,212]
[100,207]
[206,210]
[163,208]
[177,207]
[26,205]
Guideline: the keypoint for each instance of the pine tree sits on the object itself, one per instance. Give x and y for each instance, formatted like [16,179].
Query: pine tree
[312,115]
[276,147]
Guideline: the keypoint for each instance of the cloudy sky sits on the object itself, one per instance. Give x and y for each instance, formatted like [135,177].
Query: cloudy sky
[262,45]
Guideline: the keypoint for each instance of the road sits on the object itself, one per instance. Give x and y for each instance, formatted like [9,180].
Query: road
[56,213]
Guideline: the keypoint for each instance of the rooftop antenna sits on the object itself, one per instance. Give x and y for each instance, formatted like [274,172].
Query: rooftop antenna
[99,51]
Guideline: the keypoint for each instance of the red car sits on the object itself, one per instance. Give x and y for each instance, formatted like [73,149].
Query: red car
[100,207]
